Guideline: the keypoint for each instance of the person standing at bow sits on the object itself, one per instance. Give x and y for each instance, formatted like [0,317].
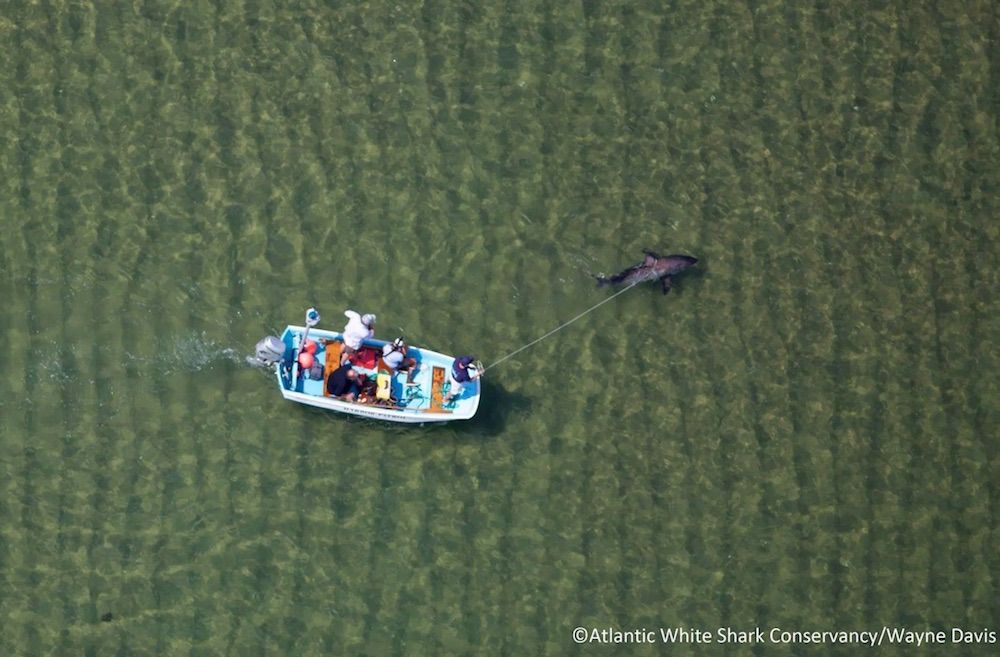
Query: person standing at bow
[463,371]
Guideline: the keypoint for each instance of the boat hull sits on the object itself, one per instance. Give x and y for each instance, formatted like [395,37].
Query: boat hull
[418,404]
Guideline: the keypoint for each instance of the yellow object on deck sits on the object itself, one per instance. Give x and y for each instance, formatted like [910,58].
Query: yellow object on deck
[382,392]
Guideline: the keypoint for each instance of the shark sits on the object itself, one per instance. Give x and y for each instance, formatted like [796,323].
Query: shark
[653,267]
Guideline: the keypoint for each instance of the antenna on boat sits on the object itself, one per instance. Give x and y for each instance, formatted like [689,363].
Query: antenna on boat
[312,319]
[558,328]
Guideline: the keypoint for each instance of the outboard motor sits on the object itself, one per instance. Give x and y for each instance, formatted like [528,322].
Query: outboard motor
[270,350]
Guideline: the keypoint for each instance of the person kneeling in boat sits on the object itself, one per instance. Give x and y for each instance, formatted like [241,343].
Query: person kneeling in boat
[343,383]
[461,373]
[359,328]
[396,357]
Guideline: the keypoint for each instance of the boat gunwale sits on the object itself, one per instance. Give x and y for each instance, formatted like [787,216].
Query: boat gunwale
[389,414]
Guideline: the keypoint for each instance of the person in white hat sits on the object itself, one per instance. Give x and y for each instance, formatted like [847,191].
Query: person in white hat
[396,356]
[359,328]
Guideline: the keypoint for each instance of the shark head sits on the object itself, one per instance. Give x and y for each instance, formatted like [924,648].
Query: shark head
[673,264]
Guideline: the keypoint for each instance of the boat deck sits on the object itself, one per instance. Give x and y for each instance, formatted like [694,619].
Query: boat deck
[422,402]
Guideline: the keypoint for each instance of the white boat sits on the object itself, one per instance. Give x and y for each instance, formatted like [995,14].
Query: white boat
[420,402]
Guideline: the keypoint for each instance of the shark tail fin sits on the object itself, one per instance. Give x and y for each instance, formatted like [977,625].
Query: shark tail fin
[601,281]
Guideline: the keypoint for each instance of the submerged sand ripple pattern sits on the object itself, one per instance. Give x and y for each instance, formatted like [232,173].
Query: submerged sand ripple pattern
[803,434]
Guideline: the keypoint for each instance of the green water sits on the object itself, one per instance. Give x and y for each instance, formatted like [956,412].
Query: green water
[802,435]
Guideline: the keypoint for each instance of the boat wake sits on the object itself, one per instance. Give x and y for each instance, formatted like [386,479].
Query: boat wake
[192,353]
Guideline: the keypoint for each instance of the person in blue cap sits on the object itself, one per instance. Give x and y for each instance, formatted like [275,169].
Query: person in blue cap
[462,372]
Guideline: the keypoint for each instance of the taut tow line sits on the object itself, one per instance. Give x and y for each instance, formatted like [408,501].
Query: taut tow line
[559,328]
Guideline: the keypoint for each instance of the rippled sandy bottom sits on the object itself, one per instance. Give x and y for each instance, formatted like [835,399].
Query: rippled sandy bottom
[803,434]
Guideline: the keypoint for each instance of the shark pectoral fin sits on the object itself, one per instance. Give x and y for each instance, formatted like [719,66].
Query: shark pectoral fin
[651,254]
[666,282]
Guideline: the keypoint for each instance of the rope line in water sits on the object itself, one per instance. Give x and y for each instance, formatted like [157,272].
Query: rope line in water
[560,327]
